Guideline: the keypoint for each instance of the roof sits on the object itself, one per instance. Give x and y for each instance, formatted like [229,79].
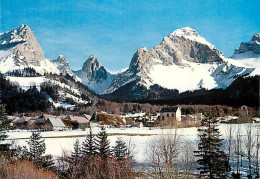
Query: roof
[56,122]
[40,121]
[79,119]
[23,119]
[169,109]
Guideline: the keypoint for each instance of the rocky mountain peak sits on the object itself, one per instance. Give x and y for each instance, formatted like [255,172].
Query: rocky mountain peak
[253,46]
[183,44]
[61,59]
[186,31]
[94,75]
[23,44]
[63,66]
[256,37]
[91,64]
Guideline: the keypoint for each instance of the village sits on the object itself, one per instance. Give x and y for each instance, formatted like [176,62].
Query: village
[166,117]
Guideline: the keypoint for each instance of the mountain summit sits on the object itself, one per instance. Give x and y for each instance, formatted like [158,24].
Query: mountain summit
[19,49]
[23,44]
[182,61]
[23,63]
[63,66]
[252,46]
[94,75]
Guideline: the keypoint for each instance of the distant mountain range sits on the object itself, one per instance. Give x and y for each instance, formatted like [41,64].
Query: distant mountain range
[183,61]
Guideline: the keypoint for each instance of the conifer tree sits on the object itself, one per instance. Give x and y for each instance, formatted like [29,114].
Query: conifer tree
[103,144]
[212,160]
[120,149]
[88,146]
[35,153]
[75,160]
[37,149]
[4,125]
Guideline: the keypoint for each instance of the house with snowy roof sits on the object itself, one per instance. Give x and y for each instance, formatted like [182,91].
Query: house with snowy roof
[54,124]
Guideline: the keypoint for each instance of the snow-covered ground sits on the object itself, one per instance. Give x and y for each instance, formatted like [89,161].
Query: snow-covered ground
[26,82]
[58,141]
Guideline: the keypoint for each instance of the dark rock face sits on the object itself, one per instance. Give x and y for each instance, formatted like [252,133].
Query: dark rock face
[93,69]
[253,45]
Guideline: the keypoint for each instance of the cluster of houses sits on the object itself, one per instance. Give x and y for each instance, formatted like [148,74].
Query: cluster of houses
[166,116]
[46,122]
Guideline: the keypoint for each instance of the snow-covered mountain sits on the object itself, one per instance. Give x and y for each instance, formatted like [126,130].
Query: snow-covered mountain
[184,61]
[94,75]
[63,66]
[19,49]
[23,62]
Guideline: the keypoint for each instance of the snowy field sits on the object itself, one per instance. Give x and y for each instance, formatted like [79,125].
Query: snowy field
[139,138]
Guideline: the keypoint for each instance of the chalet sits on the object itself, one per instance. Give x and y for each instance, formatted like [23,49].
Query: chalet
[23,122]
[77,121]
[39,123]
[54,124]
[12,119]
[170,113]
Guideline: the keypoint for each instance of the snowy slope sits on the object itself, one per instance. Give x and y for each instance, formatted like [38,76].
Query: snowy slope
[186,61]
[189,77]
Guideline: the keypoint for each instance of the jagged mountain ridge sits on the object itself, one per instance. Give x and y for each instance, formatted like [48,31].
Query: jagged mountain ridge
[94,75]
[184,61]
[22,61]
[63,66]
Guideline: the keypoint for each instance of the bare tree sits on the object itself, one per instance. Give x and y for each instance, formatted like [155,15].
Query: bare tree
[256,149]
[238,150]
[188,159]
[249,144]
[163,154]
[230,135]
[155,156]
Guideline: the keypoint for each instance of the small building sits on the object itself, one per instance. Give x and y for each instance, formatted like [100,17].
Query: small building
[54,124]
[78,121]
[170,113]
[39,123]
[23,122]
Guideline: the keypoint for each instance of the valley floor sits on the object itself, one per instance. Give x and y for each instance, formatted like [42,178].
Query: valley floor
[138,138]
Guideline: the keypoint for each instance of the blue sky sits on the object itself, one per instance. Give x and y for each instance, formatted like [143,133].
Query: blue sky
[113,30]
